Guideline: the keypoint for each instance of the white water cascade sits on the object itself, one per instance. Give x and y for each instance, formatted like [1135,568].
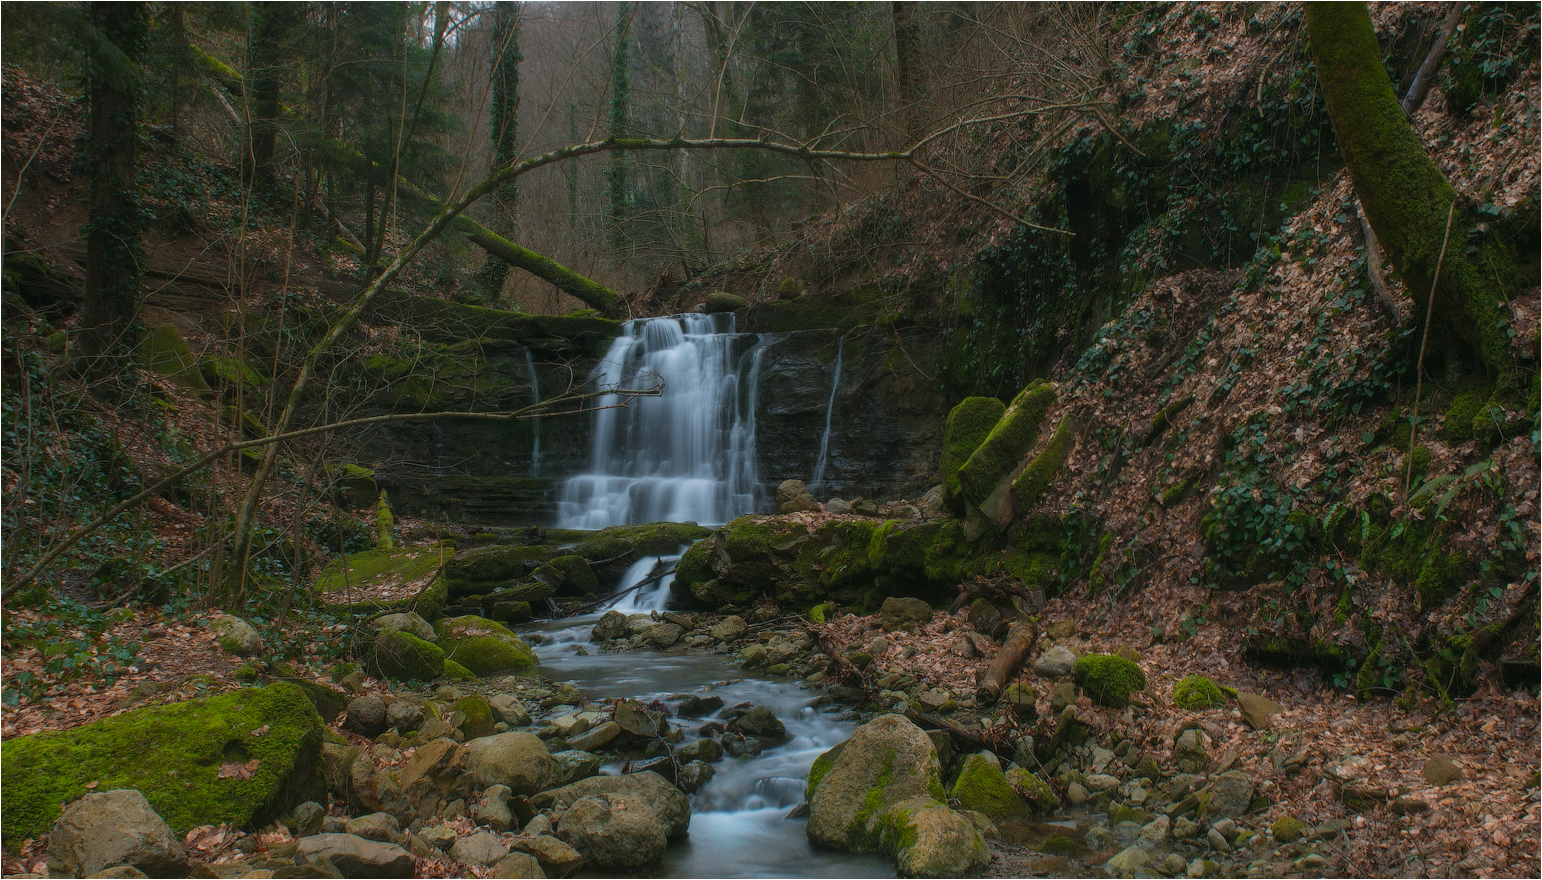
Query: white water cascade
[535,423]
[824,439]
[686,455]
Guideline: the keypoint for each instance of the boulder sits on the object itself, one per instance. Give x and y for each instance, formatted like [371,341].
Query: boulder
[405,579]
[1009,440]
[405,715]
[477,715]
[1231,795]
[1108,679]
[729,628]
[640,722]
[982,787]
[405,657]
[967,426]
[478,850]
[788,490]
[864,507]
[403,621]
[1196,692]
[926,839]
[669,806]
[801,503]
[1056,662]
[722,301]
[899,612]
[568,575]
[245,757]
[576,764]
[612,834]
[759,721]
[383,827]
[556,858]
[355,856]
[694,775]
[662,635]
[234,635]
[1131,861]
[105,829]
[516,759]
[887,761]
[366,716]
[595,737]
[484,646]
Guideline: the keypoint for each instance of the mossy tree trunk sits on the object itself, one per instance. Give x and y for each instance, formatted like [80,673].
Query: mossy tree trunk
[505,135]
[115,44]
[1406,197]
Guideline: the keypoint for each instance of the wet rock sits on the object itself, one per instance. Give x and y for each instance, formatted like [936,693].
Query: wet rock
[639,722]
[104,829]
[375,826]
[595,737]
[694,706]
[1055,662]
[1257,710]
[761,722]
[576,764]
[702,750]
[887,761]
[1441,770]
[611,625]
[695,774]
[355,856]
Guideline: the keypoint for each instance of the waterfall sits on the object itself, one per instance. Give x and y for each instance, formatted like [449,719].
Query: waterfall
[535,423]
[686,455]
[824,440]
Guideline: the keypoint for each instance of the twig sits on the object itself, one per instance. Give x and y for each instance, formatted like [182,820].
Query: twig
[1429,311]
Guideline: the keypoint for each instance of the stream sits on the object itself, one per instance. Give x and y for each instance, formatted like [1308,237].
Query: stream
[739,824]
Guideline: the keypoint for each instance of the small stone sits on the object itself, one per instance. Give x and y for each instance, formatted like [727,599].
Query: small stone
[493,810]
[1099,838]
[1310,862]
[1156,831]
[1332,828]
[375,826]
[1077,794]
[438,836]
[404,715]
[694,775]
[509,710]
[1409,804]
[1218,841]
[479,850]
[1131,861]
[307,819]
[518,865]
[235,635]
[1185,828]
[787,490]
[1101,782]
[1055,662]
[1173,864]
[1062,696]
[366,715]
[1441,770]
[838,505]
[1257,710]
[1189,753]
[1201,868]
[729,629]
[1288,829]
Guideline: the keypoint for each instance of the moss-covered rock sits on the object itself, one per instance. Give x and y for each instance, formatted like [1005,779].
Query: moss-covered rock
[477,713]
[244,757]
[388,580]
[1108,679]
[1011,439]
[353,485]
[887,761]
[1457,427]
[967,426]
[167,353]
[483,646]
[927,839]
[1033,789]
[982,786]
[1036,479]
[406,657]
[1198,692]
[569,575]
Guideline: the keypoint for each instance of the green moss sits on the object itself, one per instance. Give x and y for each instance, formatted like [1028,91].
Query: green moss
[1011,439]
[1108,679]
[1127,813]
[1198,692]
[1036,479]
[1164,419]
[478,714]
[1457,427]
[820,612]
[483,646]
[405,657]
[569,575]
[385,523]
[857,833]
[233,373]
[967,426]
[457,672]
[351,581]
[174,756]
[1057,845]
[166,353]
[1033,789]
[981,786]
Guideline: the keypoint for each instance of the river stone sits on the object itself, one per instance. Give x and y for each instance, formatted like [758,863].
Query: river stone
[234,635]
[108,828]
[1055,662]
[557,859]
[901,611]
[702,750]
[517,759]
[759,721]
[638,721]
[864,507]
[982,786]
[887,761]
[595,737]
[663,635]
[1129,862]
[354,856]
[509,710]
[1257,710]
[479,850]
[1441,770]
[729,628]
[404,715]
[366,716]
[695,774]
[838,505]
[611,625]
[1189,753]
[926,839]
[649,792]
[609,835]
[518,865]
[405,657]
[375,826]
[493,809]
[576,764]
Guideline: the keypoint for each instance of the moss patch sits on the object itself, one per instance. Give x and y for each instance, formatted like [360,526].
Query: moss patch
[1108,679]
[175,756]
[485,647]
[1036,479]
[388,580]
[166,353]
[405,657]
[1011,439]
[967,426]
[1198,692]
[981,786]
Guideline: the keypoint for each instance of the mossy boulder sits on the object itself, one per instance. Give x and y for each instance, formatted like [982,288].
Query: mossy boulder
[1004,447]
[478,715]
[886,762]
[245,757]
[1458,425]
[927,839]
[1040,473]
[167,353]
[967,426]
[1198,692]
[485,647]
[405,579]
[722,301]
[406,657]
[982,786]
[1108,679]
[353,485]
[569,575]
[1033,789]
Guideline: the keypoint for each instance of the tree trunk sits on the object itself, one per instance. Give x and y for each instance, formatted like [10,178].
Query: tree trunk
[271,26]
[1011,657]
[505,136]
[1406,197]
[114,258]
[620,123]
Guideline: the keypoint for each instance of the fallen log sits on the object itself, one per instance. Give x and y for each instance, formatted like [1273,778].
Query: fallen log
[1011,657]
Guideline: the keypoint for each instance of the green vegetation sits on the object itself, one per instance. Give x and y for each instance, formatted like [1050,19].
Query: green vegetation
[1198,692]
[967,426]
[1012,437]
[1108,679]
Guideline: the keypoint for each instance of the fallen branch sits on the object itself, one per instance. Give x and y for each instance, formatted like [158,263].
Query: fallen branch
[1010,659]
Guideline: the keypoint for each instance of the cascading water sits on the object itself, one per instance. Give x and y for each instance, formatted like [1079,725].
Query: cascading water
[685,455]
[535,423]
[824,439]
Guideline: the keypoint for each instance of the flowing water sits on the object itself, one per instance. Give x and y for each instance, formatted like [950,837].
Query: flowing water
[684,455]
[739,825]
[535,423]
[824,439]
